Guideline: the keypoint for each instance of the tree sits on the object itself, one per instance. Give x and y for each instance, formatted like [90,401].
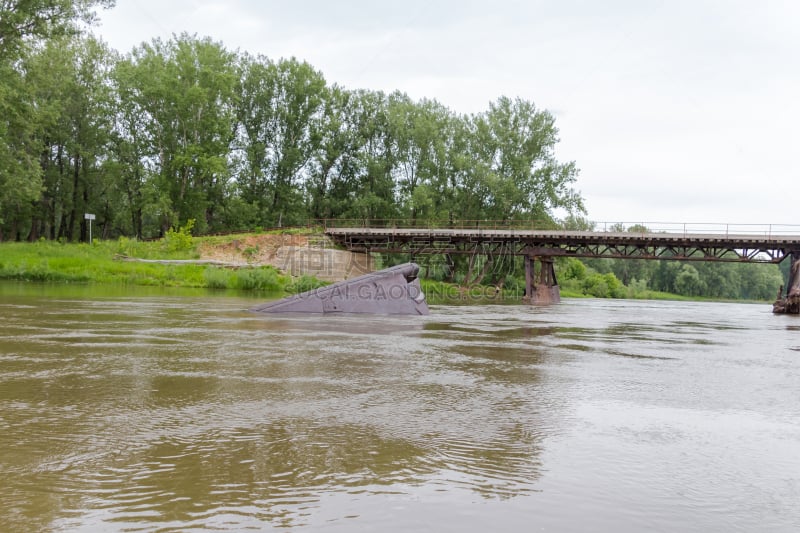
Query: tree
[514,146]
[371,194]
[688,281]
[129,145]
[183,91]
[183,130]
[20,174]
[419,134]
[279,116]
[22,21]
[68,80]
[332,172]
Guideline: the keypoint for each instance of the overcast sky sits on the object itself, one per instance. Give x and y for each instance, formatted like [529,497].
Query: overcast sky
[676,111]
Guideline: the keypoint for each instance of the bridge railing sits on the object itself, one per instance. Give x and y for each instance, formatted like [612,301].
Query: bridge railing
[684,228]
[701,228]
[407,223]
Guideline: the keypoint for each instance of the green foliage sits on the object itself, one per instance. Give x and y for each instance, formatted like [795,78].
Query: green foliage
[603,286]
[250,252]
[630,278]
[48,261]
[277,108]
[128,247]
[257,279]
[304,283]
[22,23]
[515,145]
[216,278]
[184,129]
[180,239]
[571,269]
[688,282]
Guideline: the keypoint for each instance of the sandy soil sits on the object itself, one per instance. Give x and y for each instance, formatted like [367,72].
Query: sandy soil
[251,249]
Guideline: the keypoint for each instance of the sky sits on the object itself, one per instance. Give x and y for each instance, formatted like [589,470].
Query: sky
[674,111]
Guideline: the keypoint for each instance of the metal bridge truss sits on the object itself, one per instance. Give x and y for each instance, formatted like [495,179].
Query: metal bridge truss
[572,244]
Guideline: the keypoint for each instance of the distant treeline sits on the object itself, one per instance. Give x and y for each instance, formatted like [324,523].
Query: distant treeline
[188,130]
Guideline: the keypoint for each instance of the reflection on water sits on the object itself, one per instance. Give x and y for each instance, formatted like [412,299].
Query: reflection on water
[181,411]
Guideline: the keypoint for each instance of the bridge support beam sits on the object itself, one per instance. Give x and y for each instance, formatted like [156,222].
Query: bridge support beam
[789,302]
[540,288]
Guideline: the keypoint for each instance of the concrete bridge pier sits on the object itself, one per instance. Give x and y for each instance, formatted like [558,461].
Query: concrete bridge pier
[541,288]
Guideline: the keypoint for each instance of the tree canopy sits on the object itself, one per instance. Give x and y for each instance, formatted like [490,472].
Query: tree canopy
[26,21]
[184,129]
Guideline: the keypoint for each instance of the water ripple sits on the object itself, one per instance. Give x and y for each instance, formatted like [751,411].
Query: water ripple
[187,414]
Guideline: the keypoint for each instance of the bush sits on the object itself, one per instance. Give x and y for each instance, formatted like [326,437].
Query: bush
[180,240]
[573,269]
[257,279]
[216,278]
[603,286]
[128,247]
[304,283]
[513,284]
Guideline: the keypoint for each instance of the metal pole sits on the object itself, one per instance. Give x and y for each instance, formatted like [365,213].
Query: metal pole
[90,231]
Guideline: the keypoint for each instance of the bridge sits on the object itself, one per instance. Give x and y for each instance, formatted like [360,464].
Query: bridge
[682,242]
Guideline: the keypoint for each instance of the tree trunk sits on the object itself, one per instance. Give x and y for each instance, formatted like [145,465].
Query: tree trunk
[485,270]
[468,277]
[75,195]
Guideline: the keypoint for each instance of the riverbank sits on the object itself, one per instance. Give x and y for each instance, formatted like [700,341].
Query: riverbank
[448,293]
[246,262]
[110,262]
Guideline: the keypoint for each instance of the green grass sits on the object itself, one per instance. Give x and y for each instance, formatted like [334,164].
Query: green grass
[48,261]
[439,292]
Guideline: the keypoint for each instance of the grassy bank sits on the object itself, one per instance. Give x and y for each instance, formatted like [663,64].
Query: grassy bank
[48,261]
[446,293]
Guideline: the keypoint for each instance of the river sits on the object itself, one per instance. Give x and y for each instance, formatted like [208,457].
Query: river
[143,410]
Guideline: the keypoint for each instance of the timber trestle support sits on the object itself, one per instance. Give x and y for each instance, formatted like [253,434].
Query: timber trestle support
[541,285]
[788,302]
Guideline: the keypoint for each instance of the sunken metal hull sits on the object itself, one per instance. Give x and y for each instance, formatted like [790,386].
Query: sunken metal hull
[392,291]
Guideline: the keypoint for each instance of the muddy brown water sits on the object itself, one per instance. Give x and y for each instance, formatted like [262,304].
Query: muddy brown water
[152,410]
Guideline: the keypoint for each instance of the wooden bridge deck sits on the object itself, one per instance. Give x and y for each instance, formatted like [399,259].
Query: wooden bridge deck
[748,247]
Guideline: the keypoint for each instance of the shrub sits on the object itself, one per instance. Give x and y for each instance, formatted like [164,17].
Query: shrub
[257,279]
[180,240]
[216,278]
[250,252]
[304,283]
[573,269]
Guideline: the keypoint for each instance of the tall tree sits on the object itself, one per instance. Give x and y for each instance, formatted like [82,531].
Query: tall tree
[25,20]
[334,166]
[279,114]
[20,174]
[184,92]
[372,196]
[129,147]
[69,82]
[419,134]
[23,23]
[514,145]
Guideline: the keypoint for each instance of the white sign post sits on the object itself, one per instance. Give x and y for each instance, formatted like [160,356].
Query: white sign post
[89,217]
